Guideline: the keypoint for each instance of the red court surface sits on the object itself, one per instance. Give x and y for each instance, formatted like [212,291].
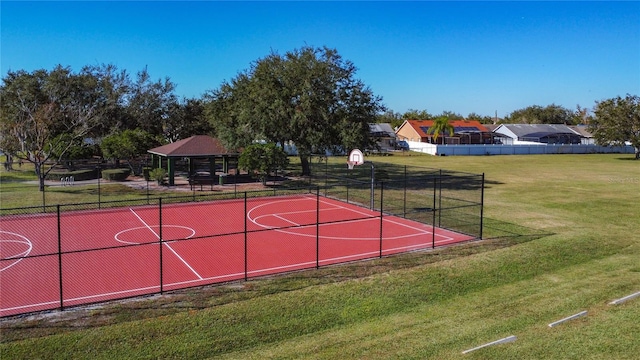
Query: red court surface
[117,253]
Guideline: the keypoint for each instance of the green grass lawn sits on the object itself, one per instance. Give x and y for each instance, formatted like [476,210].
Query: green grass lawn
[562,236]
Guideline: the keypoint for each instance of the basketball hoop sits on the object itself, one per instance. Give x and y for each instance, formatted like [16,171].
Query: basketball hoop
[355,158]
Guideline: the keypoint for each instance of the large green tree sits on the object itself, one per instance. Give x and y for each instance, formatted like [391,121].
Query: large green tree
[308,96]
[227,110]
[185,119]
[413,114]
[617,121]
[263,159]
[127,145]
[550,114]
[149,103]
[38,107]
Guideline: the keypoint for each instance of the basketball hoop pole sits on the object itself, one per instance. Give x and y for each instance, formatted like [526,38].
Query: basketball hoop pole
[373,180]
[356,158]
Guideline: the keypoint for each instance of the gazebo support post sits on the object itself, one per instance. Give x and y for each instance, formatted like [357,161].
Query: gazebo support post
[171,169]
[225,164]
[212,167]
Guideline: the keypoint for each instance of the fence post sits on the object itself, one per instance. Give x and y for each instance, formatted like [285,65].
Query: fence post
[99,176]
[433,226]
[317,227]
[348,184]
[482,207]
[160,243]
[326,175]
[404,199]
[246,255]
[440,199]
[381,214]
[60,257]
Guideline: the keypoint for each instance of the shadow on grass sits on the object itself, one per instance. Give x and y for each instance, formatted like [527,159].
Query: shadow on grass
[504,234]
[499,234]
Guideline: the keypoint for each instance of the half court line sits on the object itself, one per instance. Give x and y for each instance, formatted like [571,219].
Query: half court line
[167,245]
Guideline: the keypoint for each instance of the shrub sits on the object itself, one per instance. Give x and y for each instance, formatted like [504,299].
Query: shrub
[158,175]
[116,174]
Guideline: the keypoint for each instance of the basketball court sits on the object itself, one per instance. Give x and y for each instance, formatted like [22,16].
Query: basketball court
[117,253]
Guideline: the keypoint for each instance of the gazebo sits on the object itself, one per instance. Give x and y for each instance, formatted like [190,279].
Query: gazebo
[195,147]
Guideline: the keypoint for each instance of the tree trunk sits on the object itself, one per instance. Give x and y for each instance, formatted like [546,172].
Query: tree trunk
[304,161]
[40,174]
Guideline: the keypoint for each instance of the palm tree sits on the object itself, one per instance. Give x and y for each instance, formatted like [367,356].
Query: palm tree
[441,125]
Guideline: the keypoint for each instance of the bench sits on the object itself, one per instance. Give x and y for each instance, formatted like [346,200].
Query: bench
[202,180]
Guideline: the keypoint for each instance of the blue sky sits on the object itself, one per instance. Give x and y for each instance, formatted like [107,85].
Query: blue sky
[464,57]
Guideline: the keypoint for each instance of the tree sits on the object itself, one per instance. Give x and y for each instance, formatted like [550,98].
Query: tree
[450,115]
[441,125]
[185,119]
[149,103]
[617,121]
[481,119]
[550,114]
[582,115]
[37,107]
[127,145]
[413,114]
[390,117]
[226,111]
[308,96]
[115,86]
[263,159]
[79,149]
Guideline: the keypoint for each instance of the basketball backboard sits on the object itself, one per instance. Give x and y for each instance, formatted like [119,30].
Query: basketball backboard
[356,157]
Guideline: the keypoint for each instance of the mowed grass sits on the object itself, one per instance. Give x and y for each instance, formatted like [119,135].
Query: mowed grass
[420,305]
[19,188]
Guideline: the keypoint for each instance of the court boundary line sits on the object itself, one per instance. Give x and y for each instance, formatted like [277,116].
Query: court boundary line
[236,276]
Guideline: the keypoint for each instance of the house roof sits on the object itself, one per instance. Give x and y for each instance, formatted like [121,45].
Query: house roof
[381,130]
[529,130]
[198,145]
[460,126]
[582,130]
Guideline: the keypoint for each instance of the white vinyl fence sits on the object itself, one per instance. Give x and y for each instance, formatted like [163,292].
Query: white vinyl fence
[517,149]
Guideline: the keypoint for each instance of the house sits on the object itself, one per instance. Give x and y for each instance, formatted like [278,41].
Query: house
[383,135]
[582,130]
[465,132]
[539,133]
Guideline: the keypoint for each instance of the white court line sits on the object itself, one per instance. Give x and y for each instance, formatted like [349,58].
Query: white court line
[287,220]
[336,207]
[145,224]
[214,278]
[18,257]
[421,231]
[167,245]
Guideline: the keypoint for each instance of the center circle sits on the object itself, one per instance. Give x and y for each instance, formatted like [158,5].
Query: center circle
[128,236]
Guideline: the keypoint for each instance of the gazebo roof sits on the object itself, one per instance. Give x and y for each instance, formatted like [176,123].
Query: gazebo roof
[195,146]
